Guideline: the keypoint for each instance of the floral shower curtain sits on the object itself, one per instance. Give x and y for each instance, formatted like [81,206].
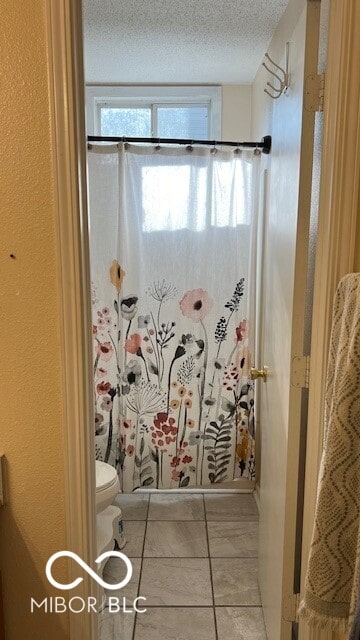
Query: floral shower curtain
[172,234]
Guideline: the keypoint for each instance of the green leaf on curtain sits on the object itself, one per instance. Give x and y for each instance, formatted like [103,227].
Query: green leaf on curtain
[146,471]
[147,482]
[152,367]
[227,405]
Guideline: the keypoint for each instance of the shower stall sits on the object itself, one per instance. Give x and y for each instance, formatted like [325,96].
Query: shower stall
[173,230]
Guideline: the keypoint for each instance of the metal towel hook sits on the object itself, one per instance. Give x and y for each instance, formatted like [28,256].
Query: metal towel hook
[281,75]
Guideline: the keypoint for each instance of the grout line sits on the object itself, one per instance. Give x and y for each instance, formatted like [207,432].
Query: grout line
[141,565]
[203,606]
[193,557]
[211,575]
[167,520]
[175,557]
[209,520]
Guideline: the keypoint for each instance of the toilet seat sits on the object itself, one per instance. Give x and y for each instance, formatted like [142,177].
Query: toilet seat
[107,485]
[106,475]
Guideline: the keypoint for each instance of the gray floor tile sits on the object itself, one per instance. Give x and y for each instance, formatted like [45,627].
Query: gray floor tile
[240,623]
[176,581]
[175,623]
[116,625]
[134,534]
[175,539]
[176,507]
[233,539]
[231,507]
[115,571]
[134,506]
[235,581]
[176,578]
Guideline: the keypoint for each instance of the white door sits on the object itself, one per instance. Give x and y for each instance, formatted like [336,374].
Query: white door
[285,280]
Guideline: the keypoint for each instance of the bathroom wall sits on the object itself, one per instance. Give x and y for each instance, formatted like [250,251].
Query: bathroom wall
[236,112]
[262,112]
[32,523]
[282,119]
[262,124]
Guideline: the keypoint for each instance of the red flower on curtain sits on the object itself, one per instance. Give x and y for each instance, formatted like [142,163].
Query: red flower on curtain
[132,344]
[103,388]
[104,350]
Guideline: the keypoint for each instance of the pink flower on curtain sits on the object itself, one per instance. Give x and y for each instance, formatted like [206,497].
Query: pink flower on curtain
[196,304]
[241,330]
[104,350]
[132,344]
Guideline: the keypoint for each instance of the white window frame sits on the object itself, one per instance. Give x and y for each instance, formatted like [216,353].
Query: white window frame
[153,97]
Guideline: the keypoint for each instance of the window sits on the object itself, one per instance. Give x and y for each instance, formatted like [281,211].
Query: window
[160,112]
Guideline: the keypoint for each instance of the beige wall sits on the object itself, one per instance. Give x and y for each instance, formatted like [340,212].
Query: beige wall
[261,104]
[236,112]
[32,523]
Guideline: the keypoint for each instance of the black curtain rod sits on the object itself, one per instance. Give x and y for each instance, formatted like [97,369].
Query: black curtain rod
[264,145]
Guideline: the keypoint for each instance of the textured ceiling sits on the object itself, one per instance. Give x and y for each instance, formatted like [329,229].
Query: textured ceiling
[172,41]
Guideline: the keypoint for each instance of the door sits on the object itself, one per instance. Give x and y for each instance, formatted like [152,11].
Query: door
[285,292]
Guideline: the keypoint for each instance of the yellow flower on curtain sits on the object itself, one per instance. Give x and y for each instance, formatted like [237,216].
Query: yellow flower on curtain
[242,448]
[117,275]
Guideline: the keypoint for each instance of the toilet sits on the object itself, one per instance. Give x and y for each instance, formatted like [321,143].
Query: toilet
[107,485]
[109,525]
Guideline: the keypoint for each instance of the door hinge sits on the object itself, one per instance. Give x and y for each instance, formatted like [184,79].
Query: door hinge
[300,372]
[291,605]
[314,92]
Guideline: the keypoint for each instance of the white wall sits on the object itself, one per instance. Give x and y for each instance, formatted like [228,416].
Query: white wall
[261,104]
[236,112]
[283,120]
[261,123]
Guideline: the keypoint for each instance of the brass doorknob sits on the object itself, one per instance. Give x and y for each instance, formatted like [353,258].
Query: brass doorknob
[258,373]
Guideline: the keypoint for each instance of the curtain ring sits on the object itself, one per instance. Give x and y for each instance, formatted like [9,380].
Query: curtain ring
[213,151]
[126,146]
[238,151]
[189,147]
[257,152]
[158,147]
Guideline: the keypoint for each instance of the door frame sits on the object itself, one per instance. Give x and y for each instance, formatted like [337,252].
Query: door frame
[339,230]
[66,84]
[338,234]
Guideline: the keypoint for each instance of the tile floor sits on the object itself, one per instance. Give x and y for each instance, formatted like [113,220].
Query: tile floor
[195,560]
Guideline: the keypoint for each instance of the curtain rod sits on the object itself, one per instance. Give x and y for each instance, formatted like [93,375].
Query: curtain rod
[264,145]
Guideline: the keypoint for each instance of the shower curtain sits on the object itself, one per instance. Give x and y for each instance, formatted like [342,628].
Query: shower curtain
[172,240]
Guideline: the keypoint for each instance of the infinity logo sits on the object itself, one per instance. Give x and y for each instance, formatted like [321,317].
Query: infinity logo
[89,570]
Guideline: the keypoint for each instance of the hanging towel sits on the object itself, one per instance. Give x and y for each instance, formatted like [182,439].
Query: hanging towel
[332,580]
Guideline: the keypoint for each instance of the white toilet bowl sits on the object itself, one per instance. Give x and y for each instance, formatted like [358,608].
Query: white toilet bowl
[107,485]
[109,523]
